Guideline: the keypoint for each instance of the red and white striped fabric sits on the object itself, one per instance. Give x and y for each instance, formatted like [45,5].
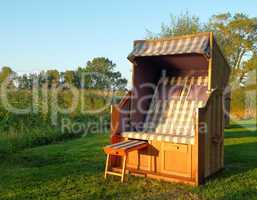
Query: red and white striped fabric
[171,116]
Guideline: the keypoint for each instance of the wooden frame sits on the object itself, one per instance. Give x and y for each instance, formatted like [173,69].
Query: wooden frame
[186,163]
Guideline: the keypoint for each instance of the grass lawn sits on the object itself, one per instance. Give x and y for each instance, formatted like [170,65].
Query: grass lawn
[74,170]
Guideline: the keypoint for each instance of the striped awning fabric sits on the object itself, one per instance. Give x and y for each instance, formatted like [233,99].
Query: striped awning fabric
[198,43]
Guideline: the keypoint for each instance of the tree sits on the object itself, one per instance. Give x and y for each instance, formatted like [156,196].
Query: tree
[23,81]
[181,25]
[42,78]
[53,77]
[6,72]
[28,81]
[78,77]
[237,36]
[69,77]
[118,83]
[100,73]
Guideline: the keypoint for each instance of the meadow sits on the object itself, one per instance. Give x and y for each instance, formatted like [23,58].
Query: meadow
[74,170]
[44,158]
[31,120]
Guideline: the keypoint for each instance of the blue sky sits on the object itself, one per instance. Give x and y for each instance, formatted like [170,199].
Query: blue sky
[39,35]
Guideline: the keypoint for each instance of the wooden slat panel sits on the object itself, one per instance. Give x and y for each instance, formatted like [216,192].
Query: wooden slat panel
[212,115]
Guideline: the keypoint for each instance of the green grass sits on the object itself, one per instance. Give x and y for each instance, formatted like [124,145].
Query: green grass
[74,170]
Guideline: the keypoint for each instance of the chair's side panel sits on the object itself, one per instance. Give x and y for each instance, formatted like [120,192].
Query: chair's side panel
[218,137]
[120,118]
[216,134]
[219,72]
[210,126]
[115,124]
[220,76]
[223,71]
[200,155]
[214,147]
[211,116]
[120,121]
[222,126]
[218,66]
[210,66]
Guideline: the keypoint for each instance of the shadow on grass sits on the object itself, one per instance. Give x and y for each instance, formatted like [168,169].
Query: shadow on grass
[243,124]
[240,134]
[240,130]
[239,159]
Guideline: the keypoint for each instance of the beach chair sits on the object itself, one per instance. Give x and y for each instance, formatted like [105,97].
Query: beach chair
[176,107]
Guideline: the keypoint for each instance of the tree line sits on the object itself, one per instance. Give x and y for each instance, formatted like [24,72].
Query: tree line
[236,35]
[99,73]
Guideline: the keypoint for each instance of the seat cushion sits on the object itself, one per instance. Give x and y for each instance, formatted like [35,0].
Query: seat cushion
[160,137]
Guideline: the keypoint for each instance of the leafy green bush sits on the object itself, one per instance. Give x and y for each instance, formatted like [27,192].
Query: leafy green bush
[44,125]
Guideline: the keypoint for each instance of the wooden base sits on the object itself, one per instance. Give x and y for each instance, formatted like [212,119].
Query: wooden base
[158,176]
[181,163]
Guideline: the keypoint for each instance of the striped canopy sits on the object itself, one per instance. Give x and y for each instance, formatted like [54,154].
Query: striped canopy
[198,43]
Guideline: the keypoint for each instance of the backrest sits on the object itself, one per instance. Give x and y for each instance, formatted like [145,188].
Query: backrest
[173,106]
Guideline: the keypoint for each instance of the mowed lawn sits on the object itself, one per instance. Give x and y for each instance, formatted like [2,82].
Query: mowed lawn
[74,170]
